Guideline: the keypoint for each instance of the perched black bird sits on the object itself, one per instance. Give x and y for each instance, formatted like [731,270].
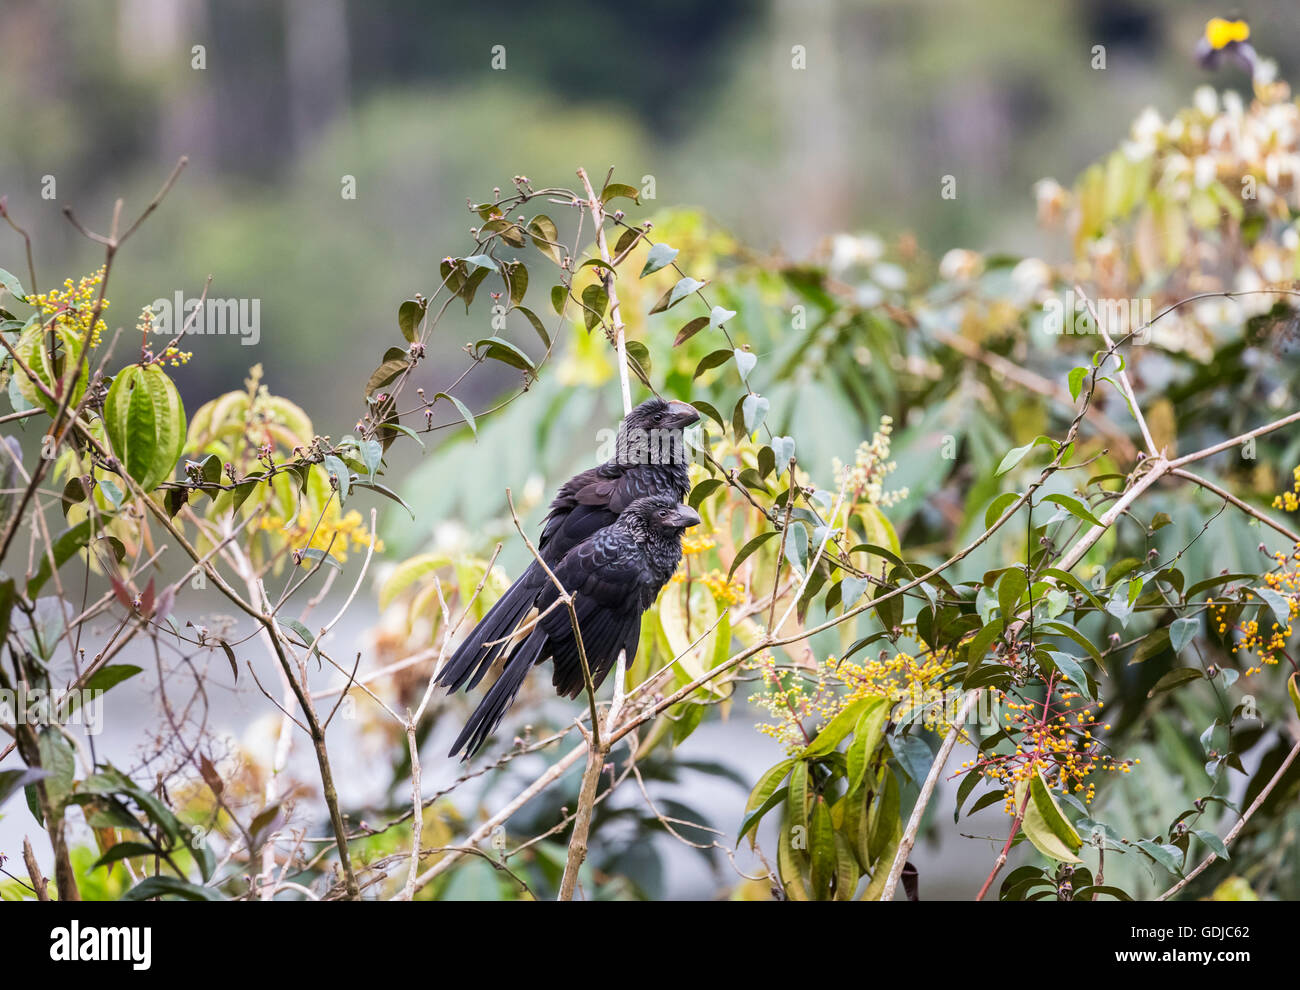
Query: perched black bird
[614,577]
[650,459]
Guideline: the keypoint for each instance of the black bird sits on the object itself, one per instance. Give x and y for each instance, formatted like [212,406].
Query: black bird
[650,459]
[614,577]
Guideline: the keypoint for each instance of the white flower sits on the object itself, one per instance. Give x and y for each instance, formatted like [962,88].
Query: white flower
[960,265]
[1206,100]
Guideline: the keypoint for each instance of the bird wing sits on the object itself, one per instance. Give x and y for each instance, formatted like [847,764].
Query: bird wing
[607,576]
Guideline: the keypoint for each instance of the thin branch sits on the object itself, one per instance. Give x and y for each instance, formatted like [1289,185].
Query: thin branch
[1241,823]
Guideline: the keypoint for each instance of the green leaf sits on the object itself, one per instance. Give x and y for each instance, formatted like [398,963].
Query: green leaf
[821,842]
[1212,842]
[1170,857]
[1070,632]
[690,330]
[409,315]
[315,554]
[482,261]
[335,468]
[461,408]
[868,734]
[702,491]
[145,421]
[676,294]
[60,762]
[14,287]
[1077,375]
[298,629]
[834,731]
[1278,604]
[1074,507]
[767,786]
[12,781]
[65,545]
[372,456]
[124,850]
[754,408]
[998,506]
[800,794]
[1011,588]
[594,301]
[161,886]
[1153,645]
[1182,632]
[620,189]
[714,359]
[503,351]
[541,229]
[748,549]
[386,492]
[1070,668]
[1173,679]
[516,277]
[1017,454]
[110,676]
[1044,823]
[660,256]
[538,326]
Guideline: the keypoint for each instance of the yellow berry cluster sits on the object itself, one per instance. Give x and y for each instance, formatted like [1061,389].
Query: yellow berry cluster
[1290,501]
[1268,646]
[345,531]
[697,544]
[802,701]
[1053,738]
[73,307]
[901,678]
[794,699]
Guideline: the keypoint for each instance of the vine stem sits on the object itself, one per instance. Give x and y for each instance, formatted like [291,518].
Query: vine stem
[1001,861]
[615,312]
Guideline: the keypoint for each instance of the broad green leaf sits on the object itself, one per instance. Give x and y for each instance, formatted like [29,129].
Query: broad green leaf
[767,786]
[145,421]
[1044,824]
[503,351]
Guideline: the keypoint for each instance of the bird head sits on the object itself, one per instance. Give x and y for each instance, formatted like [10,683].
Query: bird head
[661,414]
[661,513]
[652,432]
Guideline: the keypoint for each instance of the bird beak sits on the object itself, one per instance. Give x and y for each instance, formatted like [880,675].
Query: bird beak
[683,414]
[686,517]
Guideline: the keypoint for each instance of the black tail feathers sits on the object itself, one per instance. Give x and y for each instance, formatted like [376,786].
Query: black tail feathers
[473,658]
[500,696]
